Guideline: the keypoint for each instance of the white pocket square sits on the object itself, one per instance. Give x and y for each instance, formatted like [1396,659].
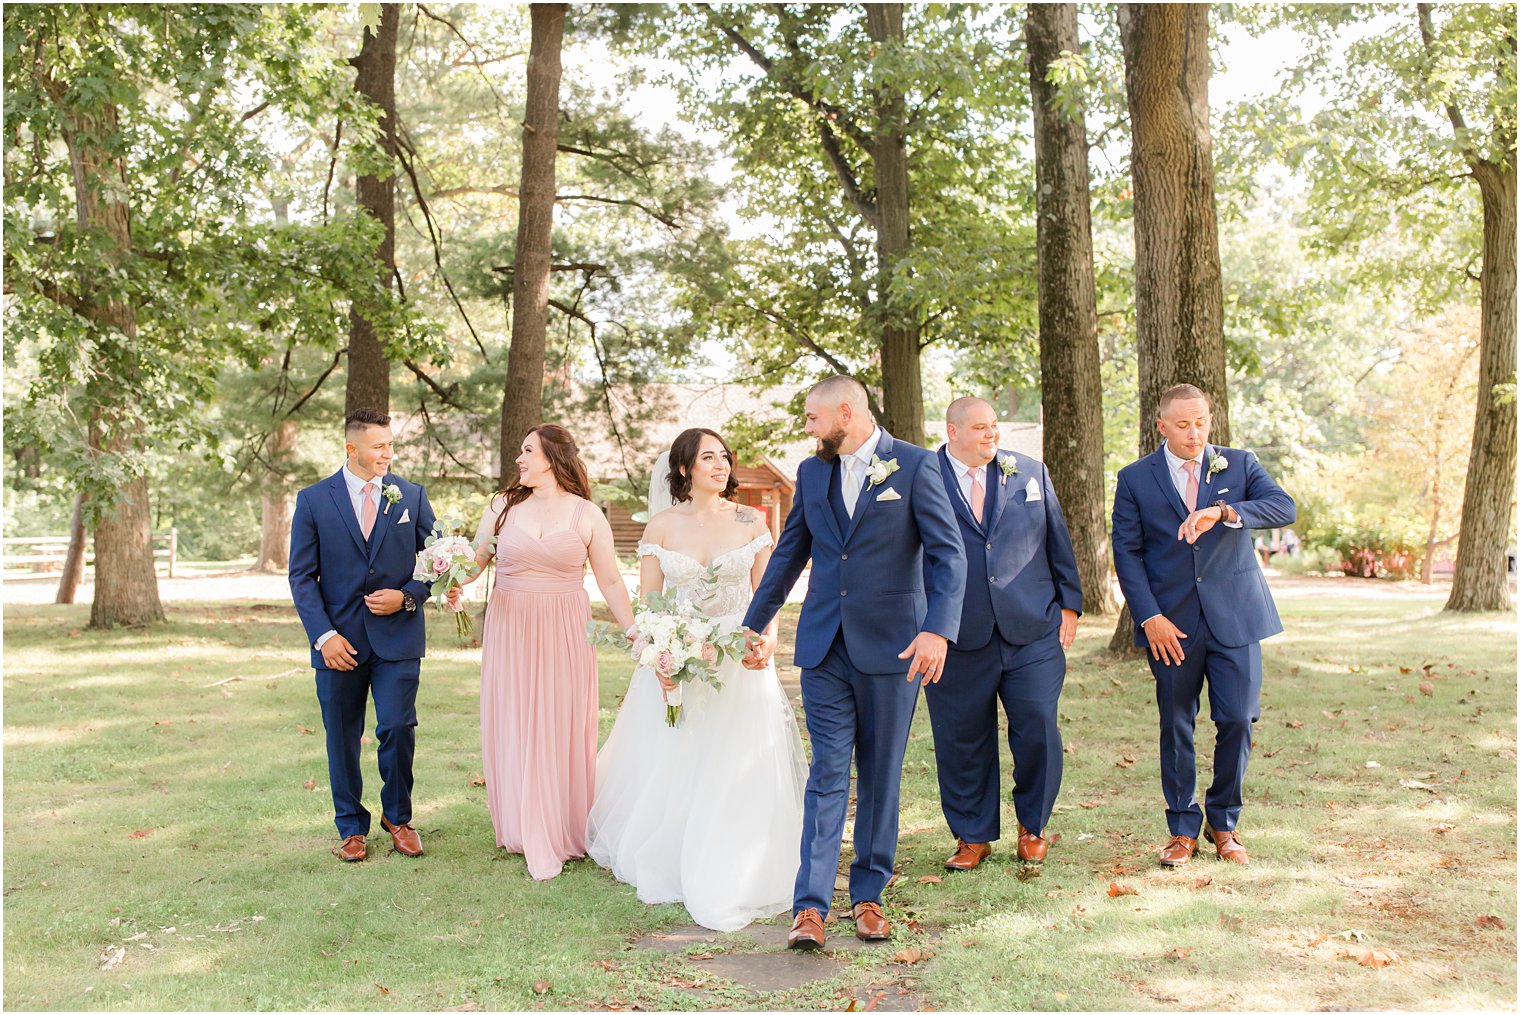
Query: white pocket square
[1225,490]
[888,494]
[1032,490]
[406,516]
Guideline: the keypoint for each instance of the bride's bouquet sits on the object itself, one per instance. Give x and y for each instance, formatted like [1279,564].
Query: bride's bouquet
[445,562]
[676,642]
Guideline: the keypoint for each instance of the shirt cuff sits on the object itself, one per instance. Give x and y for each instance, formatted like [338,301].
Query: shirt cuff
[322,640]
[1236,524]
[1147,620]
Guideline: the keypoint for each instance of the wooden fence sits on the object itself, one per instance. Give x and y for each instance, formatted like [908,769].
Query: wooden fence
[42,554]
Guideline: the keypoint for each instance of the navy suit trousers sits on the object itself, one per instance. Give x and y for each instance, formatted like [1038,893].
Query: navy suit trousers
[963,710]
[1234,681]
[867,715]
[344,698]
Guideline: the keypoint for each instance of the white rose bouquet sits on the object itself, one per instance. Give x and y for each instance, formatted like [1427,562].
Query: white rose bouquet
[671,639]
[445,562]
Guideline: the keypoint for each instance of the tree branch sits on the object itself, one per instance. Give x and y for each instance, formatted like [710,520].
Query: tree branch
[1458,125]
[337,358]
[660,217]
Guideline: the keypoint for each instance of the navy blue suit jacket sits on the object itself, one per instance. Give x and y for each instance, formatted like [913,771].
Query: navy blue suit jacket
[332,568]
[1021,571]
[1218,577]
[869,573]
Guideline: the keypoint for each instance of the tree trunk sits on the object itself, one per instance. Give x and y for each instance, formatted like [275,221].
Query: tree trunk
[369,373]
[1480,581]
[1070,384]
[278,497]
[902,391]
[523,395]
[126,589]
[1179,298]
[73,561]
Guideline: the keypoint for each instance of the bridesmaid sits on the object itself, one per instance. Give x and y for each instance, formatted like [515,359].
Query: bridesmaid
[538,687]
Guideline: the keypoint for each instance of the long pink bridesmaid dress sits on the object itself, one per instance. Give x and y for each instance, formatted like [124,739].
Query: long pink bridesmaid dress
[538,696]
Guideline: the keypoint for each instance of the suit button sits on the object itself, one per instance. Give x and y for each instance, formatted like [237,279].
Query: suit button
[371,570]
[844,592]
[989,546]
[1200,578]
[991,579]
[844,556]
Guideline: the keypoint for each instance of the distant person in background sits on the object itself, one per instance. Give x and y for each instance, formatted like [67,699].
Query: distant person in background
[1182,550]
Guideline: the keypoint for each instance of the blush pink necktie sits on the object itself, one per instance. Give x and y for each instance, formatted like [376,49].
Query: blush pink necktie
[978,495]
[367,517]
[1191,500]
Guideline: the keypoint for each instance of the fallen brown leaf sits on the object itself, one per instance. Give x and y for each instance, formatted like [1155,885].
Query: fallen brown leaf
[1231,920]
[467,1006]
[1374,958]
[476,779]
[383,989]
[1427,688]
[303,729]
[1090,804]
[1443,829]
[141,833]
[908,956]
[309,785]
[1294,724]
[1115,889]
[1125,762]
[1203,882]
[1179,953]
[930,879]
[1490,923]
[542,986]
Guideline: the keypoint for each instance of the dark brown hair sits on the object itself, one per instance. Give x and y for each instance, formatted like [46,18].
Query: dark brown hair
[364,417]
[683,455]
[564,460]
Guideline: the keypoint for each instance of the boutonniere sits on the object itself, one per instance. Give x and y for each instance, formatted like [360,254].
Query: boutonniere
[879,470]
[392,494]
[1009,468]
[1216,464]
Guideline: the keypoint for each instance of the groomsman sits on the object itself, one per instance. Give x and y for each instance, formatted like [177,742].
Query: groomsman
[1182,550]
[1022,600]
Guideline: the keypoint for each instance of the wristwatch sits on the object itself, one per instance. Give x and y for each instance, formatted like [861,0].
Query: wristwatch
[407,602]
[1224,509]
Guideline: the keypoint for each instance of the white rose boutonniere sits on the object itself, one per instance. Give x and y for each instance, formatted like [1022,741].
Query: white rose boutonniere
[392,494]
[879,470]
[1217,463]
[1009,468]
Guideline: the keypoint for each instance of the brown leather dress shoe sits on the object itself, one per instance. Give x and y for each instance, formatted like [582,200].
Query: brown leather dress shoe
[967,855]
[870,922]
[807,931]
[1032,847]
[1179,851]
[404,837]
[350,850]
[1228,846]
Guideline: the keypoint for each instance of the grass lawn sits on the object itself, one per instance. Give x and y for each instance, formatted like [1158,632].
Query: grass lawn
[177,830]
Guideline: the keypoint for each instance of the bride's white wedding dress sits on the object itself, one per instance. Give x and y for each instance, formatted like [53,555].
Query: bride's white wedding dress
[707,813]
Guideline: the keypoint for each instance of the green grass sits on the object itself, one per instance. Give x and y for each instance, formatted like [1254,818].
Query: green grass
[139,799]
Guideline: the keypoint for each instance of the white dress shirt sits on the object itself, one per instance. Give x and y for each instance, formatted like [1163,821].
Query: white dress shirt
[356,498]
[857,462]
[965,473]
[1174,467]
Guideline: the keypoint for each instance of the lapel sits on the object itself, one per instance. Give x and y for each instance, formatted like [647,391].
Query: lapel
[338,486]
[817,495]
[998,493]
[868,497]
[953,485]
[1206,487]
[1163,476]
[383,522]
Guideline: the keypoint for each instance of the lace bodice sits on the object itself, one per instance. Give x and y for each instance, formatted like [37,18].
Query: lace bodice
[719,589]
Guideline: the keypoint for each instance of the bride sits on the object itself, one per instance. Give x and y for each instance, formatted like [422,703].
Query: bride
[709,812]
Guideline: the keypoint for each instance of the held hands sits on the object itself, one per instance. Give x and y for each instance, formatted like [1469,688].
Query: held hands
[761,648]
[454,594]
[1163,637]
[338,653]
[383,602]
[928,653]
[1199,522]
[1068,628]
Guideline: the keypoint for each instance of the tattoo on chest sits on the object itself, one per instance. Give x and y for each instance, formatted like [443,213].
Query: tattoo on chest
[745,515]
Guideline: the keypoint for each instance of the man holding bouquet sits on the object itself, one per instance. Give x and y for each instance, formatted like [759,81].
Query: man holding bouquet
[354,541]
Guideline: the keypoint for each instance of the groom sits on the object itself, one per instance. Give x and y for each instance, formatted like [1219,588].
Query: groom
[353,544]
[868,510]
